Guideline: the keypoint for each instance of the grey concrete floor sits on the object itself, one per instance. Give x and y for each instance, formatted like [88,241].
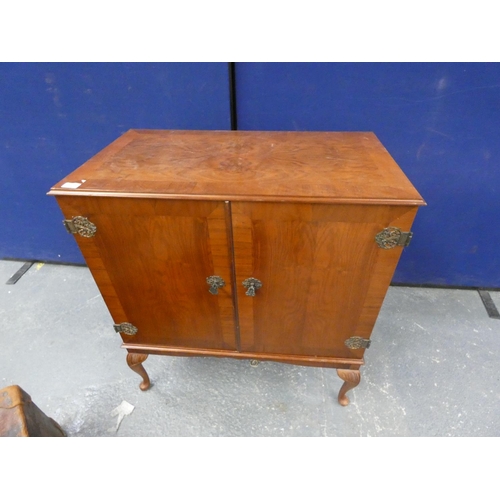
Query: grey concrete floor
[431,370]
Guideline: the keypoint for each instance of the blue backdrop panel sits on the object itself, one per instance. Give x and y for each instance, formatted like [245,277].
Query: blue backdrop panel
[441,123]
[53,117]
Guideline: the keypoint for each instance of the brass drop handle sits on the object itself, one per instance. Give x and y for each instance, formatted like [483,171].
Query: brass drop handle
[252,285]
[215,283]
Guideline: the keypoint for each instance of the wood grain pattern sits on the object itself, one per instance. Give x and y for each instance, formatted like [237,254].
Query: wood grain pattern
[218,236]
[70,208]
[230,244]
[157,255]
[332,167]
[323,274]
[243,248]
[381,275]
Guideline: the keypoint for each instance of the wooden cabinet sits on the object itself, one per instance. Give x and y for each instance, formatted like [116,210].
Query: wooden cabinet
[261,245]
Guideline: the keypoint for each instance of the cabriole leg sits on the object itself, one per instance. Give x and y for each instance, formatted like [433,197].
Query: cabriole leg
[135,362]
[351,379]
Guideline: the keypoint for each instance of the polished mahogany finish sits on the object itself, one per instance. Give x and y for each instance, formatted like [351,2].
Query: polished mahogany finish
[284,223]
[330,167]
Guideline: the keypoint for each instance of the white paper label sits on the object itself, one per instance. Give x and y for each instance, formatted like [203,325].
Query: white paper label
[71,185]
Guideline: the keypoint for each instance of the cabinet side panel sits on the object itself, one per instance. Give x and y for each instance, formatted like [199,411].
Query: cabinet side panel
[70,207]
[383,271]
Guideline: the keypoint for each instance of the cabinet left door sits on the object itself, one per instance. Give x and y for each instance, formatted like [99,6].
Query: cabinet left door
[151,260]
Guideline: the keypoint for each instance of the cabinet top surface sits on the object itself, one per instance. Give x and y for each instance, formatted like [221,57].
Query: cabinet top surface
[326,167]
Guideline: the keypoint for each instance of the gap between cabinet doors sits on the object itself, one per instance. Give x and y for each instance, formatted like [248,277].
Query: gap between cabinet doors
[230,243]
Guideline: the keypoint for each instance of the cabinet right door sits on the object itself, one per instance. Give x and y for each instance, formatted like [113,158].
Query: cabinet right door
[323,276]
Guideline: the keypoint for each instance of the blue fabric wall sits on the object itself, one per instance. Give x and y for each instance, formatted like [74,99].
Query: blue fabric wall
[440,122]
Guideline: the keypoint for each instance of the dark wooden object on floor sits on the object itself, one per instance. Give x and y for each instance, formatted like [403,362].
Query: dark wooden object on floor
[20,417]
[272,246]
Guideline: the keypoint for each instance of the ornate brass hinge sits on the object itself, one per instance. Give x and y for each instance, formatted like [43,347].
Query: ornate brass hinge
[126,328]
[80,225]
[391,237]
[357,343]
